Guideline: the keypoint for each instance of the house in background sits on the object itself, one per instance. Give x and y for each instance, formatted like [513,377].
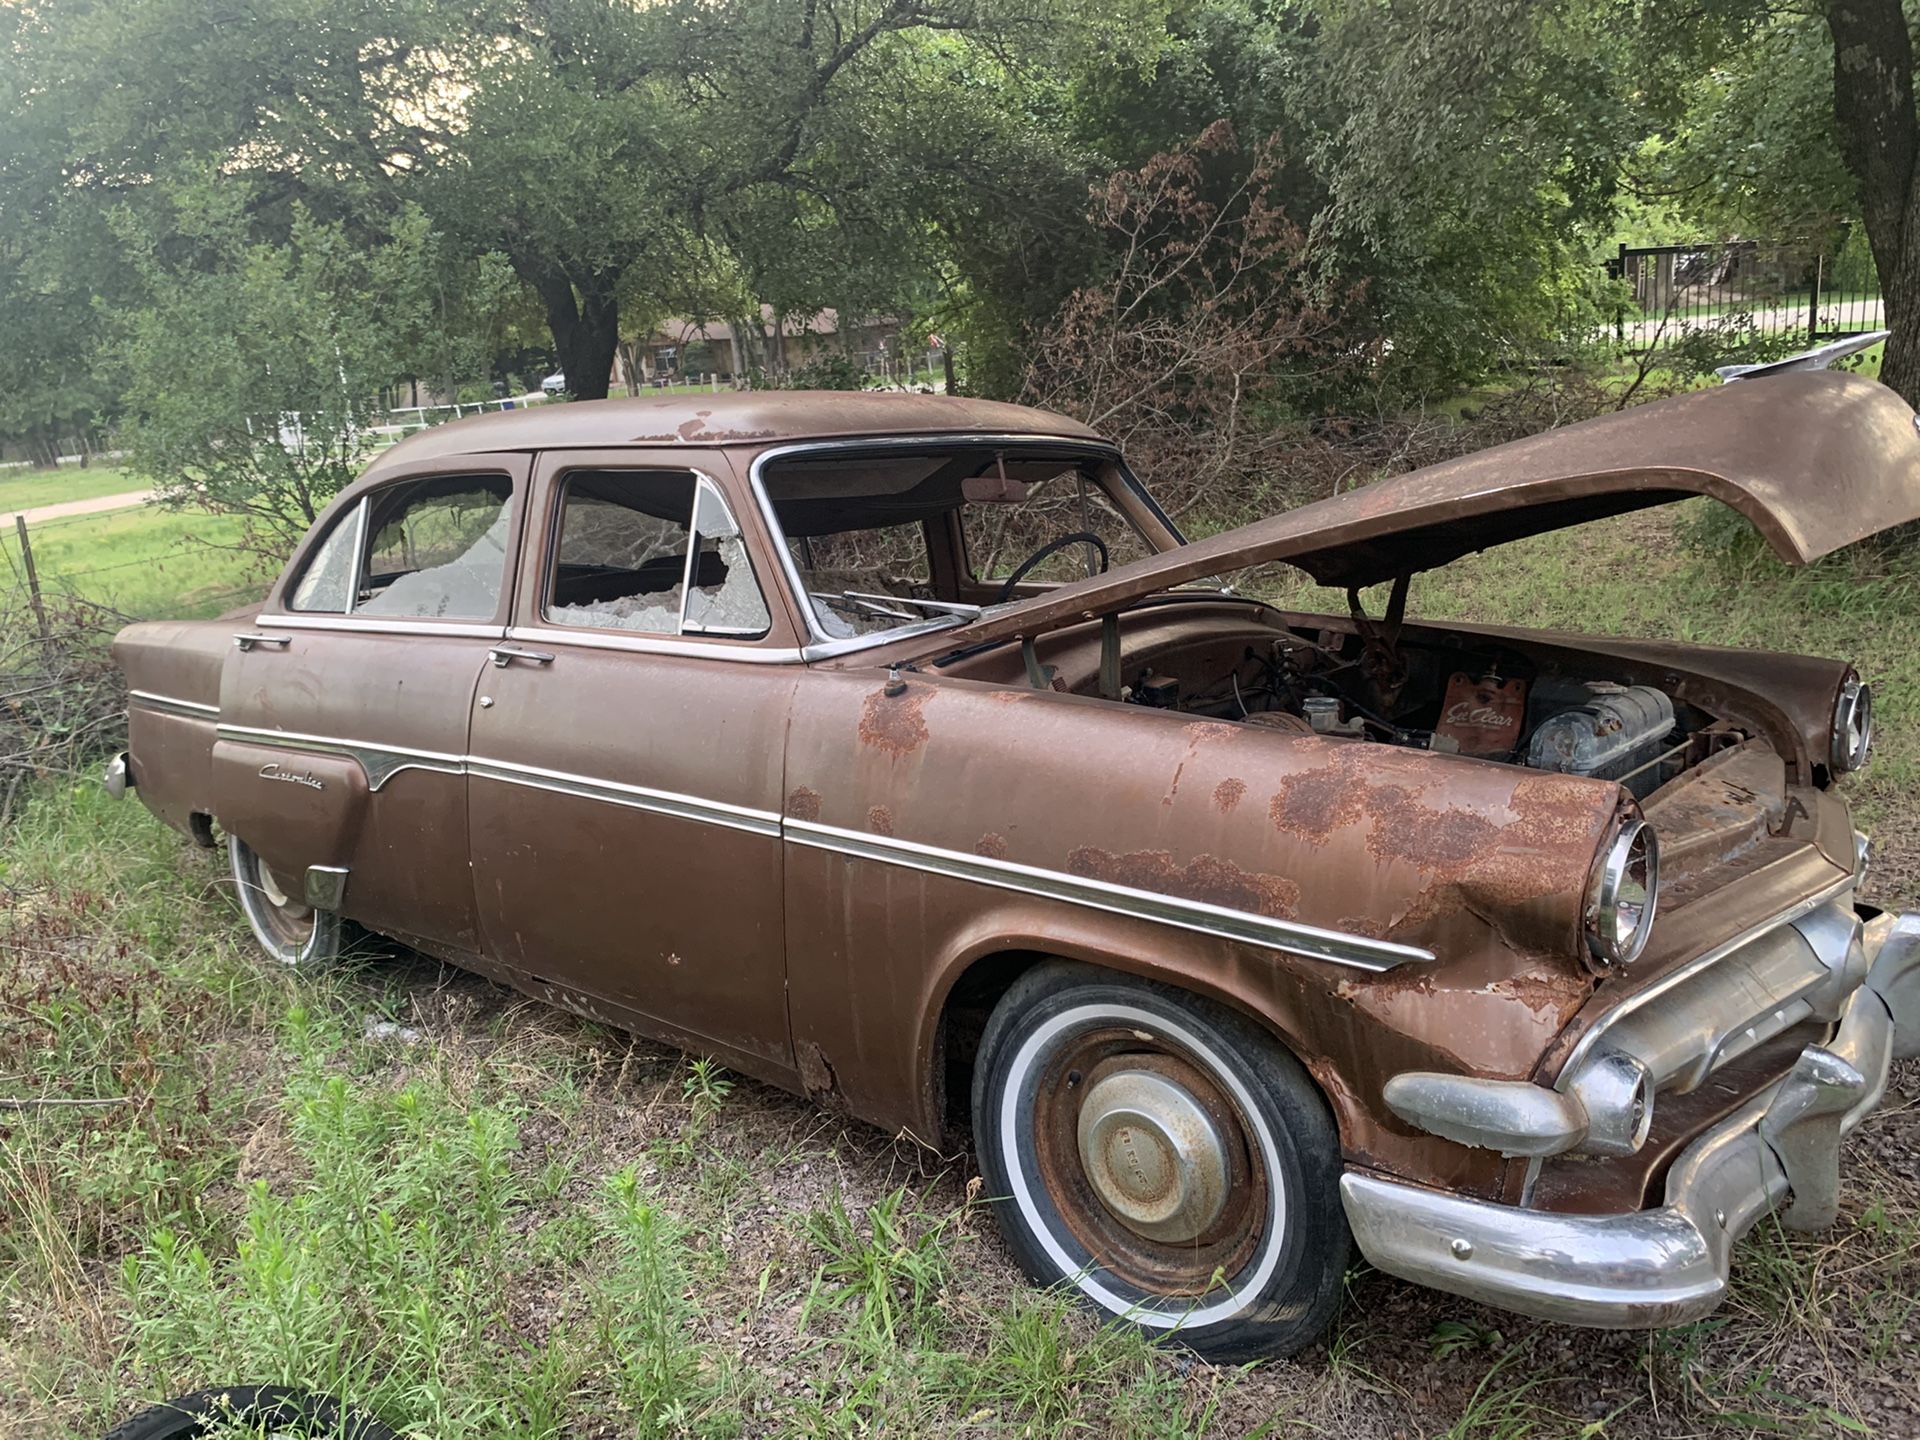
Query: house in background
[682,348]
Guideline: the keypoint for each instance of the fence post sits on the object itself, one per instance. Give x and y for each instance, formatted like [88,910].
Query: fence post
[1813,305]
[33,577]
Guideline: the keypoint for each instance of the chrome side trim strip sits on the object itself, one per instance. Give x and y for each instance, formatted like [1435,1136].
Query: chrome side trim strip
[1356,951]
[399,625]
[167,705]
[638,797]
[380,763]
[1686,972]
[655,645]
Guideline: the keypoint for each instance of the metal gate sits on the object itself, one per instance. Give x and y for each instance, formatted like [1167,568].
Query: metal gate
[1739,291]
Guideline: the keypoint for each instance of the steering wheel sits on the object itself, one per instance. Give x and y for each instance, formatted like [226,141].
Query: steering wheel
[1052,547]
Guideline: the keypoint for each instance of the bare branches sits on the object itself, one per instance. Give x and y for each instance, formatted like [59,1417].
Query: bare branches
[61,700]
[1214,300]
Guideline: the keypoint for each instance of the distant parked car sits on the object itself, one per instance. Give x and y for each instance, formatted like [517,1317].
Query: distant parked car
[898,750]
[556,383]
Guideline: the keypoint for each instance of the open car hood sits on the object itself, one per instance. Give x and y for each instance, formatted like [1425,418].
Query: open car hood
[1815,460]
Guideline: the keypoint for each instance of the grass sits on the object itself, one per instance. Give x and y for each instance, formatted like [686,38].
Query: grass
[26,489]
[146,562]
[519,1224]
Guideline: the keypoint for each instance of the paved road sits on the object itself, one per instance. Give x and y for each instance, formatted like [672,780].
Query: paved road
[99,505]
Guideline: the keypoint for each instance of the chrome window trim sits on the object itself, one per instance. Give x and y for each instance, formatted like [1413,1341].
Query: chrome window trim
[459,629]
[640,644]
[168,705]
[819,645]
[1336,947]
[359,575]
[703,483]
[1667,983]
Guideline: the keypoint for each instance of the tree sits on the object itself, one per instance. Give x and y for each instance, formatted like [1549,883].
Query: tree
[253,370]
[1873,106]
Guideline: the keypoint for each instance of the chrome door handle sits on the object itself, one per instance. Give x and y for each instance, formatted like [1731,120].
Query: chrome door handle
[505,655]
[249,639]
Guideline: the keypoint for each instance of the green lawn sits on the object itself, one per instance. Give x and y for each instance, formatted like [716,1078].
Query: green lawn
[146,562]
[29,489]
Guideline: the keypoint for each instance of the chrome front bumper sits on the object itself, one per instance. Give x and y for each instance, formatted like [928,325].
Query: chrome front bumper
[1666,1266]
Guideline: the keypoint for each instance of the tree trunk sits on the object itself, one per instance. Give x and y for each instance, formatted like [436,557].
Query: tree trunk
[585,323]
[1873,105]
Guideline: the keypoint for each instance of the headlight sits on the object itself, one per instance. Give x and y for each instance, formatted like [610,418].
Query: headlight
[1621,896]
[1852,726]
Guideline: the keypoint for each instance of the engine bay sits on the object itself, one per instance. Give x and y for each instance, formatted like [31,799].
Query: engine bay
[1491,703]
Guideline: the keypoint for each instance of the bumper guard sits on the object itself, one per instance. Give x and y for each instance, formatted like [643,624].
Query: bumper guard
[1666,1266]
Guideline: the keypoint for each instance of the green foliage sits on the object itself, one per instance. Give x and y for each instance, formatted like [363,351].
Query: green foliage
[254,367]
[828,371]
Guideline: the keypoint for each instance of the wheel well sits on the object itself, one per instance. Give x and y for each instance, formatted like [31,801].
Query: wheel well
[963,1020]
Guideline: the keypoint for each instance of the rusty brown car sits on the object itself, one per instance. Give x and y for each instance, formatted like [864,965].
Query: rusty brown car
[899,751]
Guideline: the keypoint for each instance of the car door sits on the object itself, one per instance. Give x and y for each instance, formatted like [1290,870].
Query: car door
[627,759]
[345,703]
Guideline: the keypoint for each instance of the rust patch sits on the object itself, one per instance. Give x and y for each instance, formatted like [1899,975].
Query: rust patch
[993,845]
[894,723]
[880,820]
[1206,878]
[1315,803]
[1558,994]
[1367,925]
[804,804]
[1228,794]
[816,1072]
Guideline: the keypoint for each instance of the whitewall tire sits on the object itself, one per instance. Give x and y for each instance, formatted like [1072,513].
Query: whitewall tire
[288,929]
[1164,1157]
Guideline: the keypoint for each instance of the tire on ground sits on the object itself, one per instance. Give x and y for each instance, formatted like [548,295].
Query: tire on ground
[288,929]
[1163,1156]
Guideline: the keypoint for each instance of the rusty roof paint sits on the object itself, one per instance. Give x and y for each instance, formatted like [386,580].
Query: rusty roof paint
[750,417]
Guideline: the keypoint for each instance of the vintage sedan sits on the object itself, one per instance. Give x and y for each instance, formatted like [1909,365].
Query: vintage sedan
[899,751]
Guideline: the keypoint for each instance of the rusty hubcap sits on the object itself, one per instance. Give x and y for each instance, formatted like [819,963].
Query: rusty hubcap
[1153,1155]
[1148,1161]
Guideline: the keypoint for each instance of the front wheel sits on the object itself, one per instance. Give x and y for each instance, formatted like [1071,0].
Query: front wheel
[288,929]
[1165,1158]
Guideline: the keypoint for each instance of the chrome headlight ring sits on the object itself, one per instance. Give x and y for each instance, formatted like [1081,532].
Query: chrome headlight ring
[1621,897]
[1852,727]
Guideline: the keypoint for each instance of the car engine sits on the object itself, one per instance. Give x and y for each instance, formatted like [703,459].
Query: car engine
[1494,706]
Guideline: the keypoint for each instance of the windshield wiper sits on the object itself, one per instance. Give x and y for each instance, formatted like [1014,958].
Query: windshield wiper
[943,607]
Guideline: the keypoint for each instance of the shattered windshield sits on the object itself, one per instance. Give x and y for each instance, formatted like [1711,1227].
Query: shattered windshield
[879,542]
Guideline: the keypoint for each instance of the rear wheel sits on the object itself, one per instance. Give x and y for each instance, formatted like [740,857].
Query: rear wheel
[288,929]
[1164,1157]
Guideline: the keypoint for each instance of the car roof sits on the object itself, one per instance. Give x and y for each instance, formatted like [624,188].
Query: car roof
[757,418]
